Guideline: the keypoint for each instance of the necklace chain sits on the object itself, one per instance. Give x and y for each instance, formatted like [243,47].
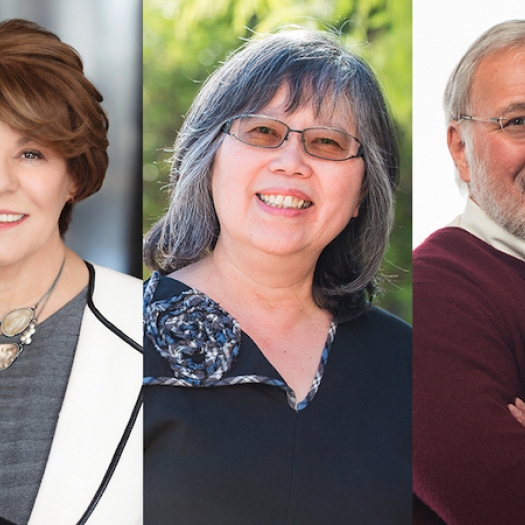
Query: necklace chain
[23,321]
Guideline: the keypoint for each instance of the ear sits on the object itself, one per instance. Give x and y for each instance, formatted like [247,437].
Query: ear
[456,146]
[71,190]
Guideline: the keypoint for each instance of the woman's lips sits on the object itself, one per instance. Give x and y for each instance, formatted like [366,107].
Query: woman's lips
[284,201]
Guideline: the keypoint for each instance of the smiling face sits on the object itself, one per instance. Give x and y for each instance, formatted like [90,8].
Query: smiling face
[492,162]
[34,186]
[283,201]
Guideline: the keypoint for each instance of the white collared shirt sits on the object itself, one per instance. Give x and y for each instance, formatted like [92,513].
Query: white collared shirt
[478,223]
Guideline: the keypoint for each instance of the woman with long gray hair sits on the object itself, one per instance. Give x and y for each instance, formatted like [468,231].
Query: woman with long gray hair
[275,392]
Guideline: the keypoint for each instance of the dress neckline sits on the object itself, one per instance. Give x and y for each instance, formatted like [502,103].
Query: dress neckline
[174,327]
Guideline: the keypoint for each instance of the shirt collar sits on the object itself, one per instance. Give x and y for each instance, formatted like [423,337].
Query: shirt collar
[478,223]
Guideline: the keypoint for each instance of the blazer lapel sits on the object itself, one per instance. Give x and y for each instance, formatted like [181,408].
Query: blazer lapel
[102,390]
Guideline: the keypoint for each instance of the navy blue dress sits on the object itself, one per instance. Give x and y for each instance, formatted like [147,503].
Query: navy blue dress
[229,444]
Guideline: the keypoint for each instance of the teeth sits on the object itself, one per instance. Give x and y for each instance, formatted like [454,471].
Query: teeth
[4,217]
[284,201]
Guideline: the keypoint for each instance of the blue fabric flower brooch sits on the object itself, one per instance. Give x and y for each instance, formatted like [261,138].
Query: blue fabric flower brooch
[198,338]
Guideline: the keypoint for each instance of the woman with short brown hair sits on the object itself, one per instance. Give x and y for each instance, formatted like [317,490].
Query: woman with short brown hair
[67,347]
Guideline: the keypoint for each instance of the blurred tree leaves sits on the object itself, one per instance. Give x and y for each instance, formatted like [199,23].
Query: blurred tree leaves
[185,40]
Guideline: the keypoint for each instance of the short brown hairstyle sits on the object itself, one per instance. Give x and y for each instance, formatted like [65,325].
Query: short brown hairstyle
[45,96]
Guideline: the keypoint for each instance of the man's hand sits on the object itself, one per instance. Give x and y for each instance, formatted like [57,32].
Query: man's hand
[518,410]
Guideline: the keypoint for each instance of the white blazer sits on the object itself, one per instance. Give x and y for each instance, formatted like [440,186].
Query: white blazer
[102,393]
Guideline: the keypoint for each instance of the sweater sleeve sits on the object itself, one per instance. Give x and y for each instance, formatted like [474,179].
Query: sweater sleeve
[469,452]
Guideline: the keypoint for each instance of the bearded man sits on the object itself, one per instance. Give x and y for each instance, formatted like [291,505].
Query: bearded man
[469,303]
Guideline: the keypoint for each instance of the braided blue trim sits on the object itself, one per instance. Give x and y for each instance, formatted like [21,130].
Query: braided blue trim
[227,381]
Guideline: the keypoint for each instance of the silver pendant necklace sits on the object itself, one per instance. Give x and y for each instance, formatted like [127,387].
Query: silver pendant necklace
[22,322]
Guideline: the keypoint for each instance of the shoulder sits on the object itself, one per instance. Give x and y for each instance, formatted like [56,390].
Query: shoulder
[453,257]
[180,321]
[379,333]
[454,248]
[112,289]
[468,298]
[376,321]
[376,350]
[161,287]
[450,243]
[106,278]
[450,277]
[118,298]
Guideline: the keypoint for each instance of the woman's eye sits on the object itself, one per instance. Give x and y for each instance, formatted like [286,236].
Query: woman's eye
[32,155]
[264,130]
[326,142]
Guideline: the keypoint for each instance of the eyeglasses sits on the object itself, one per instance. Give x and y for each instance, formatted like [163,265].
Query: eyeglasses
[512,122]
[266,132]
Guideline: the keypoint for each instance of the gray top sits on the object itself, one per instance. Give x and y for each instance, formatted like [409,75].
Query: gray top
[31,395]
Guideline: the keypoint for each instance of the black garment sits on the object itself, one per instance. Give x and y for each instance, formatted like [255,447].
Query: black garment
[241,455]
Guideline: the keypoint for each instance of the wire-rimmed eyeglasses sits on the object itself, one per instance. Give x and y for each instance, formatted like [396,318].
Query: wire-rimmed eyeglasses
[512,122]
[266,132]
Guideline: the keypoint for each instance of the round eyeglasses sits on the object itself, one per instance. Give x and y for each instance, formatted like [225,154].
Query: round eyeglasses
[266,132]
[512,122]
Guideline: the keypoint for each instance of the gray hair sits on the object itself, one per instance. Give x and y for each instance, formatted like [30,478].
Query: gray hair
[457,92]
[317,71]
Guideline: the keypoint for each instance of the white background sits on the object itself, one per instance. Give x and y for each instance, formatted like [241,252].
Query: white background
[442,32]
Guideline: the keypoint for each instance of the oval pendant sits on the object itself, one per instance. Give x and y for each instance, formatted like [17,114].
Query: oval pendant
[16,321]
[8,353]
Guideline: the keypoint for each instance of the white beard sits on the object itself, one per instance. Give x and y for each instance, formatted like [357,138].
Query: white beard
[505,207]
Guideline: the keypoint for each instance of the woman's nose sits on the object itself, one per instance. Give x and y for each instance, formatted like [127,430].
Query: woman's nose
[291,158]
[8,179]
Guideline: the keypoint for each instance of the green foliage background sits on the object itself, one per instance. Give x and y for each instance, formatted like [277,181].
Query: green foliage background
[185,40]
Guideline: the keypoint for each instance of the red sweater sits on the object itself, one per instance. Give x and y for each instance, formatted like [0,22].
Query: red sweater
[469,363]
